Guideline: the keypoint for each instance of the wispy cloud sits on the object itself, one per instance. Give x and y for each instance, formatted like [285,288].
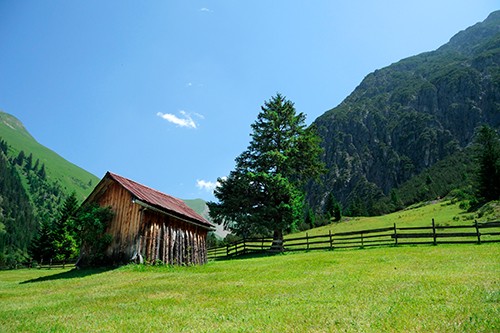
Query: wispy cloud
[206,10]
[207,185]
[199,115]
[185,120]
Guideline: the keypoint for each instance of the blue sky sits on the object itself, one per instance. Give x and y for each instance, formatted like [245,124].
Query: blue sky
[164,92]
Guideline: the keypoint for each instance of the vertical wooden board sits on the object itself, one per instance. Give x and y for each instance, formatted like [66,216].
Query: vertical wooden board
[163,243]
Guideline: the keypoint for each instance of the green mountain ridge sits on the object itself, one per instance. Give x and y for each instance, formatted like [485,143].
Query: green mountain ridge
[68,175]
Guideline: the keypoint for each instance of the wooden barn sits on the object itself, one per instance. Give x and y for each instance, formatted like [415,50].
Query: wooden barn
[150,226]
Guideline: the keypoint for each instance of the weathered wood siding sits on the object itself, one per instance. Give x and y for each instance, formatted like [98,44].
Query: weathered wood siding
[125,226]
[172,241]
[155,236]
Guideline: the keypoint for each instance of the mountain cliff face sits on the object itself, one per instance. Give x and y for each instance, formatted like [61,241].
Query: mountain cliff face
[404,118]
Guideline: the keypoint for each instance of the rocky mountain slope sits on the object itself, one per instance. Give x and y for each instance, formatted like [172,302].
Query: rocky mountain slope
[404,118]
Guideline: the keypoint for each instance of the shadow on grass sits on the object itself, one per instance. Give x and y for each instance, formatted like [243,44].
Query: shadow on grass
[72,274]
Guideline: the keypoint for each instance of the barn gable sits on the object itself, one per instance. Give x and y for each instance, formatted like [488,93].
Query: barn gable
[150,225]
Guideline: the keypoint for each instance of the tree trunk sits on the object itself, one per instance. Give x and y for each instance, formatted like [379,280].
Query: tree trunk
[277,245]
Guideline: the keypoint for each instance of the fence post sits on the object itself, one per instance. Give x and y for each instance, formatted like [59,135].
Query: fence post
[362,243]
[331,240]
[227,250]
[395,235]
[307,240]
[434,232]
[477,232]
[262,244]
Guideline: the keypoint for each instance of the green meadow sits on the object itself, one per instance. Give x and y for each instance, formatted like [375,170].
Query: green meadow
[444,288]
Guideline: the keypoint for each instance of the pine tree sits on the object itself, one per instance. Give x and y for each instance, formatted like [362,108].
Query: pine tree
[29,163]
[332,208]
[20,158]
[263,194]
[487,146]
[41,173]
[64,241]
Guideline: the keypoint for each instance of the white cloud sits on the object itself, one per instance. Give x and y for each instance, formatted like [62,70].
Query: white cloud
[207,185]
[185,121]
[207,10]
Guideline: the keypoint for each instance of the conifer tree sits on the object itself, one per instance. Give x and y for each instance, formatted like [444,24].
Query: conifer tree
[488,159]
[64,234]
[29,162]
[263,195]
[41,173]
[332,208]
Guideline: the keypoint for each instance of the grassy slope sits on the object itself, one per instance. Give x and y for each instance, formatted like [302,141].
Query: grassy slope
[443,212]
[70,176]
[416,289]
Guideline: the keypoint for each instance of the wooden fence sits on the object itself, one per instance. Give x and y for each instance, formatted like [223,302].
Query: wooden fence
[434,234]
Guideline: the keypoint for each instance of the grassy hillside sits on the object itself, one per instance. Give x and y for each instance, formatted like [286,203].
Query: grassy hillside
[405,289]
[70,176]
[444,212]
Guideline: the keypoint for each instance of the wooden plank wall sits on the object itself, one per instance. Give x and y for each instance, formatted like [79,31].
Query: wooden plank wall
[168,240]
[124,227]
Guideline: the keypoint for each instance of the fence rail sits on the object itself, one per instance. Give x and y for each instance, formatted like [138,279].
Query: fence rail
[484,232]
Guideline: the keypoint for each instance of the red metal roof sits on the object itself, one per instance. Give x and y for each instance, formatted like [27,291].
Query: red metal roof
[160,200]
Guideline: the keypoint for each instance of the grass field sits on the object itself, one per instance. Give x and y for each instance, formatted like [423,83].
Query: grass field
[445,288]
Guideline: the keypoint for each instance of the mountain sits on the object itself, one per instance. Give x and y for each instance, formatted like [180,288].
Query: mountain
[404,118]
[34,183]
[69,176]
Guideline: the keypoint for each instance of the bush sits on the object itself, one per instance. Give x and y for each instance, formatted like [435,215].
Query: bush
[91,224]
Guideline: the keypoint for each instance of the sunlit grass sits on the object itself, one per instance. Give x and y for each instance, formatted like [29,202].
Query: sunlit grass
[442,288]
[443,213]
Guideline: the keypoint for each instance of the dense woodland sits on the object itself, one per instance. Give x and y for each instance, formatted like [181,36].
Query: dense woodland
[24,208]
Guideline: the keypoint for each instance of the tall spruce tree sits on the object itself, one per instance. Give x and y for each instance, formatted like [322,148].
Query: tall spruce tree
[263,195]
[487,147]
[64,240]
[332,208]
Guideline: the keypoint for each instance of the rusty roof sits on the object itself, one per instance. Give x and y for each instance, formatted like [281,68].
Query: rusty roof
[160,200]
